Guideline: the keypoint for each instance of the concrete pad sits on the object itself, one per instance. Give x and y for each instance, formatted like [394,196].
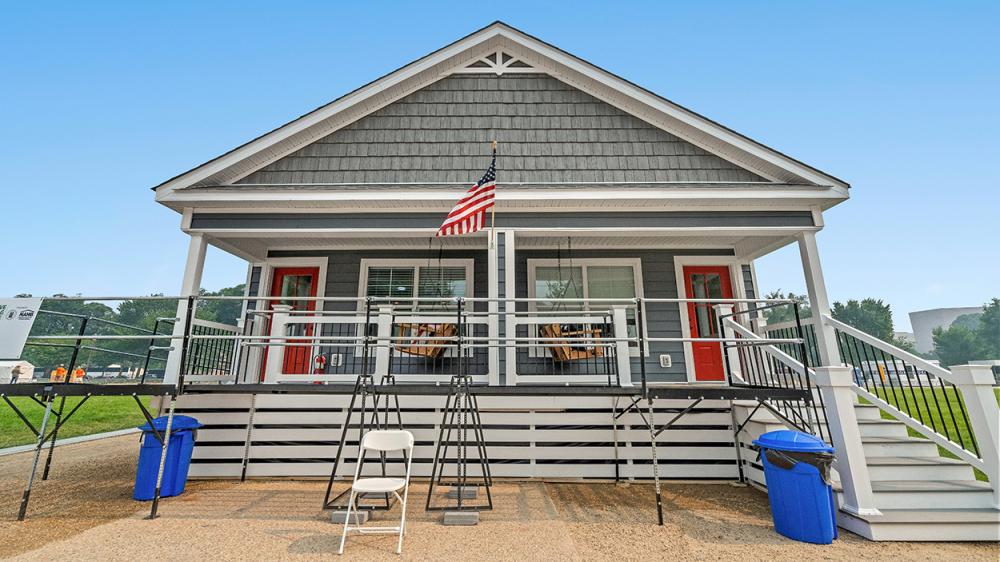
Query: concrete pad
[359,517]
[460,518]
[468,493]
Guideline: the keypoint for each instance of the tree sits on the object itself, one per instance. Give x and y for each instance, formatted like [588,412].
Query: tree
[989,329]
[871,316]
[970,337]
[786,313]
[957,345]
[226,311]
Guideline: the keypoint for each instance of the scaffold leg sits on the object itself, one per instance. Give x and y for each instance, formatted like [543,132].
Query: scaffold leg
[49,399]
[163,458]
[656,466]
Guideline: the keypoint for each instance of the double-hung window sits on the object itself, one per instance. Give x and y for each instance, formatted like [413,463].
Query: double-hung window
[410,285]
[588,282]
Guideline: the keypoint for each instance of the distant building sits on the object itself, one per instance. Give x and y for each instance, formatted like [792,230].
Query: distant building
[904,336]
[925,321]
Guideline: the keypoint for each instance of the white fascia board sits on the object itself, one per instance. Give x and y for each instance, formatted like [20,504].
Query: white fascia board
[235,195]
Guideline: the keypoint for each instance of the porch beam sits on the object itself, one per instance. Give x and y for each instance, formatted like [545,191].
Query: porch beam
[190,286]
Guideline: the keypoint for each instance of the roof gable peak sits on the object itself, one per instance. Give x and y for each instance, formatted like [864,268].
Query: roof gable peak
[499,48]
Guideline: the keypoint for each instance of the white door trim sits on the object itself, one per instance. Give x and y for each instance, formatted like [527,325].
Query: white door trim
[735,278]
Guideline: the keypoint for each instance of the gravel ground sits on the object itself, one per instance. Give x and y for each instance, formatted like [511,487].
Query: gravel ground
[72,518]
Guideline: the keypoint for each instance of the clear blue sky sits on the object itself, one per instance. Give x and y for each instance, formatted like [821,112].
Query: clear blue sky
[100,102]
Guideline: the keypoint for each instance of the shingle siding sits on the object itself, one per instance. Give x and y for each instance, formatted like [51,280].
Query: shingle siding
[548,132]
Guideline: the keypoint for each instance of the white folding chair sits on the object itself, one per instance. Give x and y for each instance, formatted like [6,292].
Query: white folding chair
[382,441]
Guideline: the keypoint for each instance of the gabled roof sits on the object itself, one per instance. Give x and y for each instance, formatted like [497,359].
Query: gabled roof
[471,52]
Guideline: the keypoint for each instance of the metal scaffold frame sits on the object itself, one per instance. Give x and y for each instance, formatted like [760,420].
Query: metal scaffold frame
[461,410]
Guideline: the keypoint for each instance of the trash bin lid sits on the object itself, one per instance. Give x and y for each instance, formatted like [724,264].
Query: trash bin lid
[794,441]
[180,423]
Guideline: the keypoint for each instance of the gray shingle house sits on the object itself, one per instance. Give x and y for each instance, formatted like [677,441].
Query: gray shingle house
[619,217]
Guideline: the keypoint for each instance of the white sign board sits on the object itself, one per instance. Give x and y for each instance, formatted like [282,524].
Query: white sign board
[16,318]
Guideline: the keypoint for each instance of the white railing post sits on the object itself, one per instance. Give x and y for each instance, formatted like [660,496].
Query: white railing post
[731,355]
[276,353]
[623,356]
[975,383]
[836,385]
[383,341]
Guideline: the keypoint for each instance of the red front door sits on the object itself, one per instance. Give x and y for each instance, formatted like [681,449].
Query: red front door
[290,283]
[706,282]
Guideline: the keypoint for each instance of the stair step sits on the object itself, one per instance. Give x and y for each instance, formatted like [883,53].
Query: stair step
[898,447]
[867,412]
[953,524]
[918,468]
[882,428]
[931,494]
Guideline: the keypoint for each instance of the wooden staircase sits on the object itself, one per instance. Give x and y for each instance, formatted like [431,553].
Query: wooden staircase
[922,495]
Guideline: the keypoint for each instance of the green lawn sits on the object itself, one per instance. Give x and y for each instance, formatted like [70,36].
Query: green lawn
[99,414]
[939,408]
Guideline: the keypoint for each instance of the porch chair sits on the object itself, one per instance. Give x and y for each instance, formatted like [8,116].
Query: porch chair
[560,345]
[381,441]
[430,348]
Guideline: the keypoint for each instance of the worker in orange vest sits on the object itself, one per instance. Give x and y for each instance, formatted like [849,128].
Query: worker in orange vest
[58,374]
[78,375]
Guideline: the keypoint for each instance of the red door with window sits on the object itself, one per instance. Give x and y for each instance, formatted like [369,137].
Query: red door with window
[291,283]
[706,282]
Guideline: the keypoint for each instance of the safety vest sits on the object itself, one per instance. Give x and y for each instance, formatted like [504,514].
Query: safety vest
[58,374]
[78,374]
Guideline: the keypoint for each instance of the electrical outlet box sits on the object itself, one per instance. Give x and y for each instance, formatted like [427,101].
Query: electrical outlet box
[666,361]
[336,360]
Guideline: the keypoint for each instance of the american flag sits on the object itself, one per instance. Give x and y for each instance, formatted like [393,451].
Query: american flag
[469,214]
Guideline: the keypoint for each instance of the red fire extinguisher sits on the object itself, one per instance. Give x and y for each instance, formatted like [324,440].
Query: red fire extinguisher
[319,364]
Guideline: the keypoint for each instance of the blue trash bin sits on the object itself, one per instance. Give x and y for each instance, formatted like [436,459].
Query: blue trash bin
[796,468]
[175,469]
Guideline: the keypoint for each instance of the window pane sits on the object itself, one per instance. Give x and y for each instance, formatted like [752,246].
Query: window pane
[558,283]
[441,283]
[611,282]
[392,282]
[295,286]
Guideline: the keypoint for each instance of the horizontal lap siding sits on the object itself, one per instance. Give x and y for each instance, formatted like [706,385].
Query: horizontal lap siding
[659,282]
[543,437]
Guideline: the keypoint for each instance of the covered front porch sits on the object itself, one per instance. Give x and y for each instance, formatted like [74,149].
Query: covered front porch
[537,303]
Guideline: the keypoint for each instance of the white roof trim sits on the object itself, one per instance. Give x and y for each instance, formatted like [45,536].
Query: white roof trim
[454,58]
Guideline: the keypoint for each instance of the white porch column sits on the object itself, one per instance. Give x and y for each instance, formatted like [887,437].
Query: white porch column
[510,327]
[826,339]
[975,382]
[493,292]
[836,385]
[190,286]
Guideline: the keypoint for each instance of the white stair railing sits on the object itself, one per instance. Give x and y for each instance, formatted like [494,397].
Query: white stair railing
[916,392]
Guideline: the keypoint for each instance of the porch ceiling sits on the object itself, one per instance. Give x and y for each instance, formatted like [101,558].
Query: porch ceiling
[257,247]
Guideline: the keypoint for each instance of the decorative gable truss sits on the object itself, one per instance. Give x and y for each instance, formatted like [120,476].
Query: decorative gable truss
[497,63]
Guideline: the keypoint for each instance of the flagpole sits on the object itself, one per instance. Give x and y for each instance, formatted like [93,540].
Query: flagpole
[493,209]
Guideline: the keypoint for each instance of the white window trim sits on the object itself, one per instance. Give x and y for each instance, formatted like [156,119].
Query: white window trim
[735,266]
[635,263]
